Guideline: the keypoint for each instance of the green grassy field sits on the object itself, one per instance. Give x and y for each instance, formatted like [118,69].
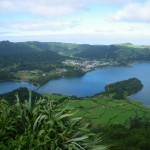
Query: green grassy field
[99,110]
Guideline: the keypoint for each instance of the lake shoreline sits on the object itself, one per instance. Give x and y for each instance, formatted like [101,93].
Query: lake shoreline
[38,85]
[90,83]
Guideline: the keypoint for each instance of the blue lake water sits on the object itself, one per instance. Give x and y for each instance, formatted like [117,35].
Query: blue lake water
[8,86]
[93,82]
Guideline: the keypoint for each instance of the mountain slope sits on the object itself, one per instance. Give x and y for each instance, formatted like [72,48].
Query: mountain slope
[21,53]
[121,53]
[67,49]
[99,52]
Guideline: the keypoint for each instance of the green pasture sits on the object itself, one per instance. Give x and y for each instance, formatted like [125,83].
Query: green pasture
[104,110]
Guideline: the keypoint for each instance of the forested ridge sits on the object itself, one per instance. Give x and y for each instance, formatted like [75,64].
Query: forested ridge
[122,53]
[39,62]
[30,52]
[17,57]
[20,53]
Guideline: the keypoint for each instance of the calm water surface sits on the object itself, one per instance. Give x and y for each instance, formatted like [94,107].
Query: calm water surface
[8,86]
[92,82]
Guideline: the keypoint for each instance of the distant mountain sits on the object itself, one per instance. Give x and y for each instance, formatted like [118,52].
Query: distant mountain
[7,47]
[67,49]
[120,52]
[21,53]
[99,52]
[61,48]
[33,51]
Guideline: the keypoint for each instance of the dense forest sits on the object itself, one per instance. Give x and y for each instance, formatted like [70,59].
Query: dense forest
[99,52]
[22,56]
[124,88]
[122,53]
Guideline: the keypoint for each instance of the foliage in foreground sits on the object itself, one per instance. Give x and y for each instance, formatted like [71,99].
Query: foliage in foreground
[44,126]
[23,94]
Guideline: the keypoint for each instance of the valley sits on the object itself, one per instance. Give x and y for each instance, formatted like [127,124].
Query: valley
[38,62]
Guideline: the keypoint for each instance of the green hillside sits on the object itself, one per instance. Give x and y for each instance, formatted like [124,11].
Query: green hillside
[104,110]
[67,49]
[99,52]
[101,109]
[25,57]
[19,61]
[122,53]
[125,51]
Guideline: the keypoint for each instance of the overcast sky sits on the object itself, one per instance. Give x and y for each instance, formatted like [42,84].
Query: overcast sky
[76,21]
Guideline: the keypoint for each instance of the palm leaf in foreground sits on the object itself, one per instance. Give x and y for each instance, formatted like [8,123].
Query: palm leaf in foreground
[45,126]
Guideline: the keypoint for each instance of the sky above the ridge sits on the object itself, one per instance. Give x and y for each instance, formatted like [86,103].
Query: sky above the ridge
[76,21]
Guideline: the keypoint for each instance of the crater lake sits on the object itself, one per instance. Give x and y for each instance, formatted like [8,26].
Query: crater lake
[92,82]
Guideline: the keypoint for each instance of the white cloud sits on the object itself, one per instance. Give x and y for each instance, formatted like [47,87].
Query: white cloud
[52,8]
[133,12]
[56,17]
[41,26]
[47,8]
[118,28]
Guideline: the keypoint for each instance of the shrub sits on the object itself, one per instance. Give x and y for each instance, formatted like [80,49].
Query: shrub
[43,127]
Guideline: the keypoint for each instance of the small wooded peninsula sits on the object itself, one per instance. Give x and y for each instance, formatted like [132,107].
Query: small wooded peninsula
[124,88]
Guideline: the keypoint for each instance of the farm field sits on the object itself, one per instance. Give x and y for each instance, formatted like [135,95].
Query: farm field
[99,110]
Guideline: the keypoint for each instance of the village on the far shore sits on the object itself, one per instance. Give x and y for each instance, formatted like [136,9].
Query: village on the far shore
[88,65]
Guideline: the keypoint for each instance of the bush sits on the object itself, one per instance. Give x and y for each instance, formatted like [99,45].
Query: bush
[44,126]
